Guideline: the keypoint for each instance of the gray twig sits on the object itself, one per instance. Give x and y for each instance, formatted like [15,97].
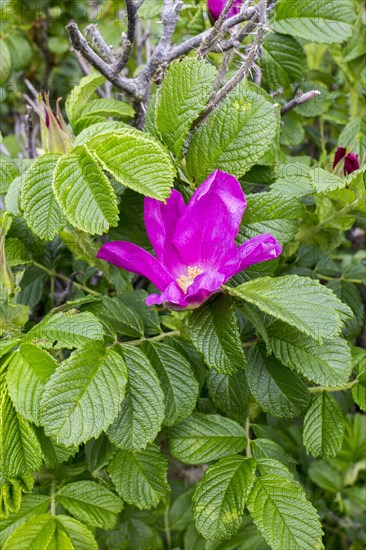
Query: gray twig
[31,146]
[195,41]
[215,32]
[128,40]
[298,100]
[80,44]
[99,45]
[161,55]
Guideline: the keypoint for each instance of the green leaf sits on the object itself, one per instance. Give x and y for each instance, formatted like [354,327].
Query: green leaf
[194,358]
[324,181]
[98,453]
[230,393]
[5,62]
[36,532]
[284,516]
[90,502]
[271,466]
[278,390]
[53,453]
[235,135]
[84,192]
[107,107]
[142,412]
[41,211]
[140,477]
[79,535]
[83,396]
[359,390]
[266,448]
[136,160]
[328,364]
[186,90]
[20,452]
[32,504]
[117,318]
[283,60]
[350,295]
[68,329]
[214,331]
[272,213]
[221,495]
[28,372]
[325,476]
[205,437]
[8,344]
[299,301]
[136,300]
[45,531]
[176,379]
[80,95]
[325,21]
[323,426]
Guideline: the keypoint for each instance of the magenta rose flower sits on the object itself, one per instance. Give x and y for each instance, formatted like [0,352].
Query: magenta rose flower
[194,243]
[215,8]
[351,162]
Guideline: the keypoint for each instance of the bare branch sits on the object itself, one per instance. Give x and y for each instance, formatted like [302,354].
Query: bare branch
[31,146]
[195,41]
[128,40]
[80,44]
[250,59]
[161,54]
[99,44]
[299,99]
[216,30]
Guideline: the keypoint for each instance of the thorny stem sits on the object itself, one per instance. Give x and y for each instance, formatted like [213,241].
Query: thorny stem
[243,70]
[213,35]
[318,389]
[53,273]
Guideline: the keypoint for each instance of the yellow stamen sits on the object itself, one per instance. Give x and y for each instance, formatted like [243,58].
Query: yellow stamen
[186,280]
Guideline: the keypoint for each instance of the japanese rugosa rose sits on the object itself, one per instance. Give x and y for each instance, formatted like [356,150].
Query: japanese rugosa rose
[215,8]
[194,243]
[351,162]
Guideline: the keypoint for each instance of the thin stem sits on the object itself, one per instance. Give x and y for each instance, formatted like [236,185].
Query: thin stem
[153,338]
[326,278]
[318,389]
[298,100]
[53,499]
[249,344]
[167,528]
[52,290]
[52,273]
[247,429]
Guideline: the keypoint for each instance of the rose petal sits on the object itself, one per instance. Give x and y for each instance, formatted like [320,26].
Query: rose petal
[161,220]
[204,286]
[258,249]
[216,6]
[131,257]
[211,222]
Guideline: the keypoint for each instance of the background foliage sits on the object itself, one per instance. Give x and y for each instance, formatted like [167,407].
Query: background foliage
[238,425]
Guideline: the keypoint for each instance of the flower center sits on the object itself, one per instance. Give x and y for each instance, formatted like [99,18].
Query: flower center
[186,280]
